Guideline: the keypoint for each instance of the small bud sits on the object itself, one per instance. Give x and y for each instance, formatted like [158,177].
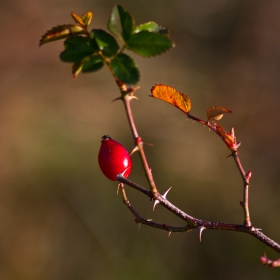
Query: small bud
[249,175]
[232,132]
[263,259]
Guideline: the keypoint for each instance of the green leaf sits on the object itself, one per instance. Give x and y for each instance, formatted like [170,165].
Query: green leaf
[94,63]
[151,26]
[89,64]
[76,49]
[148,44]
[124,69]
[61,32]
[105,42]
[121,23]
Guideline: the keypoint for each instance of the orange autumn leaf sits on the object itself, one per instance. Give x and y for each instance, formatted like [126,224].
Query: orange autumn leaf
[172,96]
[216,112]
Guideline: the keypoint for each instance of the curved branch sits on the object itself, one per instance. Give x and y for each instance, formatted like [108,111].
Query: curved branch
[192,223]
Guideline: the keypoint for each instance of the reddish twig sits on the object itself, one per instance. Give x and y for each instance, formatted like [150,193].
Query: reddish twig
[127,96]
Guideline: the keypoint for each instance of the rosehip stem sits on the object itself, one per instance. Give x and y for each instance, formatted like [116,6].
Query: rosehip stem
[127,94]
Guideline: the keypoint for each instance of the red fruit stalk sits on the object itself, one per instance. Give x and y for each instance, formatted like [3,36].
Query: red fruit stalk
[113,158]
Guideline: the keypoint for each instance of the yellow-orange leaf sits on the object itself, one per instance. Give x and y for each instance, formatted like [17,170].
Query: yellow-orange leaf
[216,112]
[77,19]
[87,17]
[172,96]
[84,20]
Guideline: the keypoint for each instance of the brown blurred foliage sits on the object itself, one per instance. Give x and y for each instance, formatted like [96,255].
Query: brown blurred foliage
[61,218]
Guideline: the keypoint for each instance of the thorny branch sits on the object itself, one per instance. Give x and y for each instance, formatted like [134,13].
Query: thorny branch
[191,222]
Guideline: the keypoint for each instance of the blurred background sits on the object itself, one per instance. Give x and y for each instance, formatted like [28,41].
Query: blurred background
[61,218]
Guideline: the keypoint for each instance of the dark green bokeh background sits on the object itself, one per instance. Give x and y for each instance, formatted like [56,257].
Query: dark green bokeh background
[61,218]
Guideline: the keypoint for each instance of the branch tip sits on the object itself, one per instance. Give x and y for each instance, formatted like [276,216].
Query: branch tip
[249,175]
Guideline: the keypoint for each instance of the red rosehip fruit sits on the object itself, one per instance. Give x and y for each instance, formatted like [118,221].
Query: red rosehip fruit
[113,158]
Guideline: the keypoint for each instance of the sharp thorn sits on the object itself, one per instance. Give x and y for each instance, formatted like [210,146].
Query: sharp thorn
[165,194]
[134,150]
[139,226]
[169,233]
[229,156]
[118,98]
[238,145]
[155,203]
[148,144]
[259,229]
[201,229]
[118,188]
[131,97]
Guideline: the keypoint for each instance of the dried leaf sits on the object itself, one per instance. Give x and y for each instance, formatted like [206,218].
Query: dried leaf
[216,112]
[172,96]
